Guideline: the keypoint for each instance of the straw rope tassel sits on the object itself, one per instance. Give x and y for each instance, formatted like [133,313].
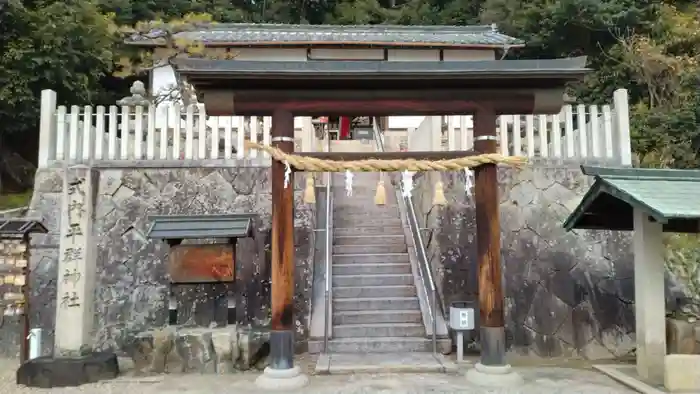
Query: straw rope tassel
[380,196]
[439,194]
[310,190]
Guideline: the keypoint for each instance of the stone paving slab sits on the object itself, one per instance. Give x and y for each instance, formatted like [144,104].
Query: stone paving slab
[627,375]
[348,363]
[537,381]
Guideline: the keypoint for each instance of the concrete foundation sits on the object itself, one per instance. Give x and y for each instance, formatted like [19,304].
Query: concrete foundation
[493,376]
[282,379]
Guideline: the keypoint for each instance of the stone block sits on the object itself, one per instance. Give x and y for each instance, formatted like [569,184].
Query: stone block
[682,372]
[193,352]
[149,351]
[696,334]
[680,336]
[48,372]
[254,345]
[225,343]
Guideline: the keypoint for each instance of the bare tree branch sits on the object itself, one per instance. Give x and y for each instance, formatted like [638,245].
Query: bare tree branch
[172,45]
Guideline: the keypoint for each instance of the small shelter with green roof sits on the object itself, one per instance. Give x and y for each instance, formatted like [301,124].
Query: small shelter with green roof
[648,202]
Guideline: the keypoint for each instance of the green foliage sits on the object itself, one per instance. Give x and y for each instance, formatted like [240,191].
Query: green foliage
[62,45]
[683,263]
[646,46]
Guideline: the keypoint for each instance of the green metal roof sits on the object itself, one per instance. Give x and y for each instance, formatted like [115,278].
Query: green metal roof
[200,226]
[669,196]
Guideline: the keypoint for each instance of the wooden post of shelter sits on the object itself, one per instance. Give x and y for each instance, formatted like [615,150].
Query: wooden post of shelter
[282,335]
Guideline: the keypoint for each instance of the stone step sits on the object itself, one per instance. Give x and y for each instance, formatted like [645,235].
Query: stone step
[367,213]
[374,291]
[379,303]
[364,199]
[379,330]
[369,249]
[364,258]
[363,206]
[369,240]
[372,280]
[351,221]
[363,317]
[379,345]
[376,230]
[371,268]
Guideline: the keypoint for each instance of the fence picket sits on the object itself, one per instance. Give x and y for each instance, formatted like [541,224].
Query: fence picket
[151,133]
[530,134]
[451,135]
[569,131]
[73,132]
[581,124]
[254,135]
[214,137]
[202,132]
[61,128]
[176,123]
[607,131]
[228,131]
[138,133]
[240,138]
[556,135]
[124,133]
[189,132]
[503,131]
[87,133]
[517,137]
[99,132]
[163,135]
[595,131]
[112,132]
[542,130]
[267,130]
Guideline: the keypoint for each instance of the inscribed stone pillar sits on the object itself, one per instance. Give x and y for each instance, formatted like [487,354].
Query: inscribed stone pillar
[650,307]
[76,264]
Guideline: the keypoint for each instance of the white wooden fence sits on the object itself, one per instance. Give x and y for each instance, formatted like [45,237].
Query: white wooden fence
[132,134]
[577,132]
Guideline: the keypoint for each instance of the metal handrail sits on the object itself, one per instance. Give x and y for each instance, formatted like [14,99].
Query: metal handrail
[424,269]
[329,257]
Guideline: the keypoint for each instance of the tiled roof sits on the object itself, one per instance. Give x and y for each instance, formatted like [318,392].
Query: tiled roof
[665,195]
[379,35]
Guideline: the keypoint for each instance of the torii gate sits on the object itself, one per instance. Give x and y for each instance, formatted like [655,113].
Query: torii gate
[283,90]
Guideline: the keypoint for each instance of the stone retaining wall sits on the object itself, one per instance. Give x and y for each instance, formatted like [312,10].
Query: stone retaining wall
[132,286]
[568,293]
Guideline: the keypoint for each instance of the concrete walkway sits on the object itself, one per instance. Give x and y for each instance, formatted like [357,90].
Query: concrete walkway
[538,381]
[348,363]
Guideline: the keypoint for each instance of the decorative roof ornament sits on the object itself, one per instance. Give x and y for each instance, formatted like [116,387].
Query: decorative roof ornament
[137,98]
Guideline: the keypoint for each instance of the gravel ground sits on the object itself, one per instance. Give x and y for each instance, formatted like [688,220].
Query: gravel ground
[538,381]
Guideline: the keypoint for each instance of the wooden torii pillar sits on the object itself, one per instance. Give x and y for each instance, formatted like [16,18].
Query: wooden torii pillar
[282,334]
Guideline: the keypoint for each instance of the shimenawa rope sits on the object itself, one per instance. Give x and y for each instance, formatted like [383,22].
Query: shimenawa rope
[312,164]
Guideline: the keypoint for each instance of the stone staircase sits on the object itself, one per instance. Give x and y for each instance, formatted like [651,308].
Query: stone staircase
[375,304]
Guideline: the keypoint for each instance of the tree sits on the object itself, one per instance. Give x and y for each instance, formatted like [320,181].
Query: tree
[171,48]
[61,45]
[665,64]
